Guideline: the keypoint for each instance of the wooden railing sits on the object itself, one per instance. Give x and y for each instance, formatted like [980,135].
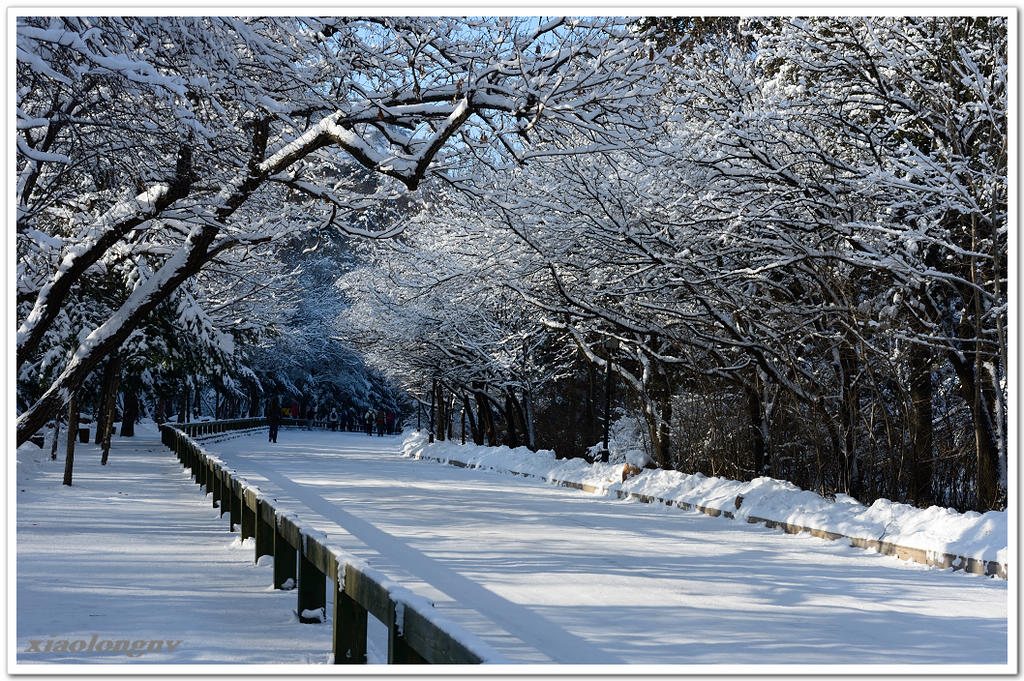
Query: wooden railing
[197,428]
[417,634]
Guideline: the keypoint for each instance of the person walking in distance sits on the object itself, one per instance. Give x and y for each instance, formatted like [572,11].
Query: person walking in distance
[274,417]
[368,421]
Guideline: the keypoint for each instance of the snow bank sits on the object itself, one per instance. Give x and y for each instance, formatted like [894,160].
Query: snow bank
[935,530]
[30,459]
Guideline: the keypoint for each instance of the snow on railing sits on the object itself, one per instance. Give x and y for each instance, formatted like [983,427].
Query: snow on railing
[417,633]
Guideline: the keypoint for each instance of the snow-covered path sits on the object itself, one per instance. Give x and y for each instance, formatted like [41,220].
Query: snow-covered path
[547,574]
[132,551]
[542,573]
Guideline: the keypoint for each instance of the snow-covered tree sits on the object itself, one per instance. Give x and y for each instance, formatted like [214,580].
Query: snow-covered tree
[814,234]
[193,139]
[438,310]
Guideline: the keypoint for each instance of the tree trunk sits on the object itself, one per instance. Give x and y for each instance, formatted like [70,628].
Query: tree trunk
[183,401]
[254,402]
[69,455]
[991,495]
[511,438]
[848,420]
[659,427]
[97,412]
[658,413]
[433,410]
[531,436]
[920,424]
[591,406]
[441,425]
[112,378]
[758,434]
[476,432]
[485,418]
[833,462]
[450,408]
[131,409]
[520,415]
[981,401]
[56,436]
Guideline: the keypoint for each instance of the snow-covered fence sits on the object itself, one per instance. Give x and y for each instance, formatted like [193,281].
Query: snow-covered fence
[417,634]
[200,428]
[197,428]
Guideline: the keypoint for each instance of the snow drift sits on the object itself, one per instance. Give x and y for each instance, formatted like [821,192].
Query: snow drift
[978,536]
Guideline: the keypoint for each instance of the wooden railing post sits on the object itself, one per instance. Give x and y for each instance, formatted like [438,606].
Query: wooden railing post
[204,472]
[264,531]
[399,652]
[225,493]
[349,629]
[248,517]
[215,487]
[190,459]
[284,560]
[312,592]
[235,520]
[208,475]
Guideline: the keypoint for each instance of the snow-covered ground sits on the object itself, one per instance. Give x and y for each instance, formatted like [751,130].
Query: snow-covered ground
[543,574]
[133,552]
[939,530]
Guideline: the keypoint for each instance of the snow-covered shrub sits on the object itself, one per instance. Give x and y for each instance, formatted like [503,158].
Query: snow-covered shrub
[627,441]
